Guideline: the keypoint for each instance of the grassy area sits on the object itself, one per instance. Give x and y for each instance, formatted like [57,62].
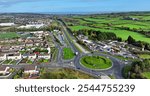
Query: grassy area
[63,74]
[43,60]
[13,62]
[144,56]
[70,38]
[9,35]
[123,58]
[29,62]
[146,74]
[68,53]
[54,52]
[96,62]
[111,23]
[124,34]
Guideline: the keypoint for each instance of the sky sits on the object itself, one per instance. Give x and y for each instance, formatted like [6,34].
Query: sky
[70,6]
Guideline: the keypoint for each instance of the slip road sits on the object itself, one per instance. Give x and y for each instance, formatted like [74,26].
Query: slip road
[35,88]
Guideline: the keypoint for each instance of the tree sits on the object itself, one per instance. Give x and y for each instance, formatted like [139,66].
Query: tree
[130,40]
[119,39]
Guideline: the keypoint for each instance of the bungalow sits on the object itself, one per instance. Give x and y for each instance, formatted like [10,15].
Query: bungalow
[29,42]
[45,56]
[31,69]
[32,56]
[2,57]
[37,43]
[4,70]
[14,56]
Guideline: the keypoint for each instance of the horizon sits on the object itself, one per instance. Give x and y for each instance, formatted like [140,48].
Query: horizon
[74,6]
[74,13]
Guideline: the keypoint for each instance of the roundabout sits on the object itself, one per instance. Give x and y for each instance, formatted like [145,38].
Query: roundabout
[96,62]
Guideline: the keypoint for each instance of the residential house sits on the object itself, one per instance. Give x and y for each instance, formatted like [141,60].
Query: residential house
[31,69]
[14,56]
[2,57]
[32,56]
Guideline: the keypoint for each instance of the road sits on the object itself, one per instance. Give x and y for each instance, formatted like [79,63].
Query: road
[75,62]
[117,64]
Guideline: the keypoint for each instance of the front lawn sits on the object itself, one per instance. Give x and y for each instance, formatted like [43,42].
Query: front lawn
[43,60]
[29,62]
[7,61]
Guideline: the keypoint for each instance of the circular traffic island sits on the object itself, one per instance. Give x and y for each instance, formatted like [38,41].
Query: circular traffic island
[96,62]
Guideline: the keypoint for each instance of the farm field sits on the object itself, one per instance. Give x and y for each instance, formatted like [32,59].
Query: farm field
[8,35]
[113,23]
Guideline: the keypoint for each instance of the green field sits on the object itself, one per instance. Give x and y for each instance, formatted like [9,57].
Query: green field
[68,53]
[8,35]
[146,74]
[111,23]
[96,62]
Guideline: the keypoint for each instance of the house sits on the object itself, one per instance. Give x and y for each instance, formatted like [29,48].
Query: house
[29,42]
[31,69]
[44,56]
[32,56]
[3,57]
[14,56]
[4,70]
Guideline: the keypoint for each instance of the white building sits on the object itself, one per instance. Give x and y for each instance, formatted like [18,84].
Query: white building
[32,56]
[3,57]
[32,25]
[14,57]
[44,56]
[7,24]
[49,50]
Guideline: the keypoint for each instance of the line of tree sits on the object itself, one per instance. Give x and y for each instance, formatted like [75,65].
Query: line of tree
[141,44]
[135,70]
[97,35]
